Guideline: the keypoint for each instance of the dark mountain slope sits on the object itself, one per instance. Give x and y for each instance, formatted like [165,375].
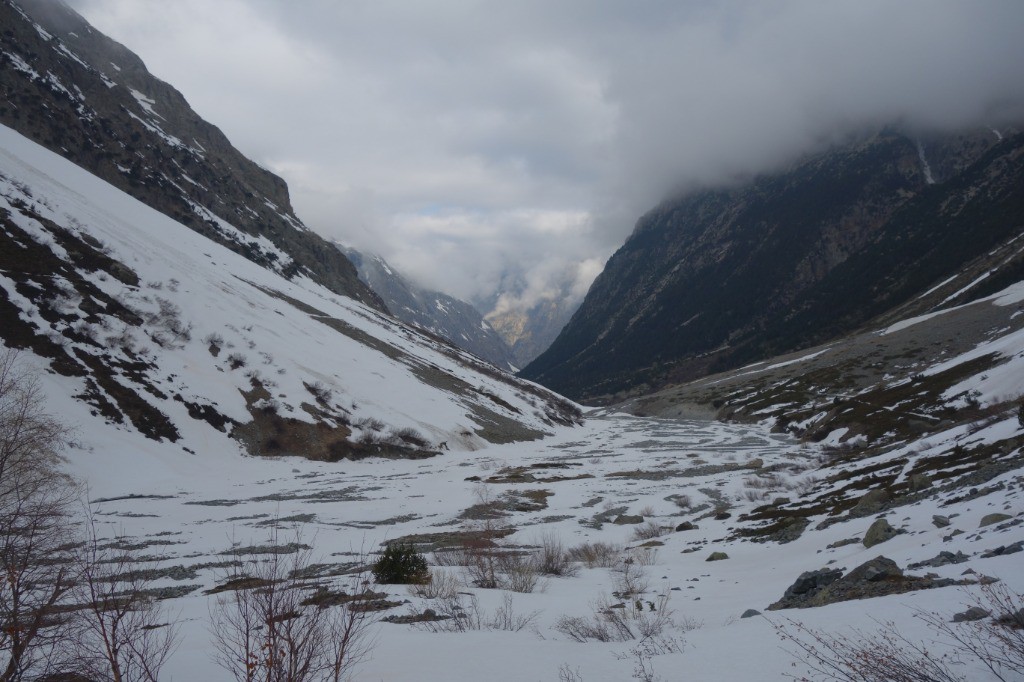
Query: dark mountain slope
[719,278]
[88,98]
[448,317]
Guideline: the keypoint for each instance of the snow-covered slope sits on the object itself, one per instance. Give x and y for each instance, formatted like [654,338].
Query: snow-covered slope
[164,332]
[439,313]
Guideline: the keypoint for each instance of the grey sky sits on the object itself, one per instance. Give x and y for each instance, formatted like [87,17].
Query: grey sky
[473,140]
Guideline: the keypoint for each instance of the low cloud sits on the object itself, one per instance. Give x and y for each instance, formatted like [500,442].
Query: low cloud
[496,147]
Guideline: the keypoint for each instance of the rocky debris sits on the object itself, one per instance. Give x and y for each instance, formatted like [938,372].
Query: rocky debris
[871,503]
[627,520]
[1003,550]
[876,578]
[750,613]
[810,583]
[971,614]
[842,543]
[990,519]
[880,531]
[426,616]
[919,482]
[717,556]
[940,521]
[941,559]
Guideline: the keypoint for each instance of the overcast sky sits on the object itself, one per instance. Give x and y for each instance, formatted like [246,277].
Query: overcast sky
[470,140]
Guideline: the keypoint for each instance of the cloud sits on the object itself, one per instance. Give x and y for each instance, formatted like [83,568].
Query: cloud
[489,146]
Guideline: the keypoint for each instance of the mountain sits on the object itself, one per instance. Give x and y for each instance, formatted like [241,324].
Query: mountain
[448,317]
[888,223]
[163,332]
[529,332]
[89,99]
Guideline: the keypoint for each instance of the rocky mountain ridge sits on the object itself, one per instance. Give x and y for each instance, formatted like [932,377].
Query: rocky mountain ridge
[888,223]
[88,98]
[441,314]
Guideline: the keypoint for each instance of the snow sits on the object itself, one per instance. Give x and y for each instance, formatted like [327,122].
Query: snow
[204,498]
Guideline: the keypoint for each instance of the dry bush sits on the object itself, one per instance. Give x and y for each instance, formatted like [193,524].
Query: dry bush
[996,642]
[682,501]
[462,613]
[552,558]
[597,554]
[440,585]
[120,633]
[643,556]
[767,482]
[519,572]
[648,530]
[36,502]
[264,633]
[631,619]
[630,579]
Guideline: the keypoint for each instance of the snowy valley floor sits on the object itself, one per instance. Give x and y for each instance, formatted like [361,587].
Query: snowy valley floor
[189,510]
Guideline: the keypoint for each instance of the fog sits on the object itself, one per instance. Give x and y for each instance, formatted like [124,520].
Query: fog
[478,144]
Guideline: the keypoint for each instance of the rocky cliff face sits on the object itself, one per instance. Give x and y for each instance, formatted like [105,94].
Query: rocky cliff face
[88,98]
[450,318]
[530,332]
[720,278]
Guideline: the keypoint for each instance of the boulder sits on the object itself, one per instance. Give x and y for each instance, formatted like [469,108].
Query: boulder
[941,559]
[627,520]
[876,578]
[990,519]
[686,525]
[750,613]
[717,556]
[810,582]
[871,503]
[971,614]
[880,531]
[919,482]
[940,521]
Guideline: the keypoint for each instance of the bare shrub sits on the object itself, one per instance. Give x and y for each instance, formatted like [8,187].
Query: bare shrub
[806,484]
[682,501]
[567,674]
[407,437]
[321,393]
[996,642]
[462,613]
[766,482]
[519,572]
[552,558]
[237,361]
[597,554]
[648,530]
[440,585]
[506,618]
[630,580]
[36,500]
[626,621]
[643,556]
[263,632]
[120,633]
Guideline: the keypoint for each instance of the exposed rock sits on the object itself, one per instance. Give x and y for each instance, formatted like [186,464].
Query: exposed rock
[876,578]
[717,556]
[755,463]
[842,543]
[919,482]
[1003,550]
[750,613]
[879,532]
[871,503]
[990,519]
[942,559]
[940,521]
[811,582]
[686,525]
[627,520]
[971,614]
